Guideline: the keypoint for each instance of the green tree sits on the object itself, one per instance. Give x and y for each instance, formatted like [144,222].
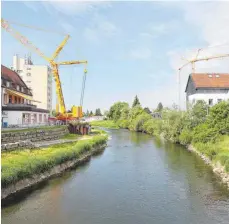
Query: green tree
[116,110]
[147,110]
[159,107]
[91,113]
[136,102]
[87,113]
[219,117]
[53,113]
[198,114]
[98,112]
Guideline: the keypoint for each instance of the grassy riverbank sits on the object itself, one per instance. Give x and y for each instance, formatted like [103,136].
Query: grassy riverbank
[204,127]
[105,123]
[18,165]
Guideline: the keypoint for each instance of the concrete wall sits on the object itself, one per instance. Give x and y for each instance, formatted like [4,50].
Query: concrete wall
[25,139]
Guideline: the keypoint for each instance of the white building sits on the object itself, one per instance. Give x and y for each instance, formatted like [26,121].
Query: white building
[38,78]
[212,88]
[17,102]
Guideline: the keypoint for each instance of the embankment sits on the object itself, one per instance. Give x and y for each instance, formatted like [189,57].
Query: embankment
[23,169]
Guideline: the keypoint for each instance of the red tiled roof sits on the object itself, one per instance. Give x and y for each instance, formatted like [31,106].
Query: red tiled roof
[12,76]
[210,80]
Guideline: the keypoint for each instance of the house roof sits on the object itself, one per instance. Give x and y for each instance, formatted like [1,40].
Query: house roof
[210,80]
[13,77]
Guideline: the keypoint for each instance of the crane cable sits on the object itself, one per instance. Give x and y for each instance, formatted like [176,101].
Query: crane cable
[83,87]
[36,28]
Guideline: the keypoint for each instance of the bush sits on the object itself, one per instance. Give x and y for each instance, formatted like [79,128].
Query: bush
[123,123]
[185,137]
[203,133]
[138,122]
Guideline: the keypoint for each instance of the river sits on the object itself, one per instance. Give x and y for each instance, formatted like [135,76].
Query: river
[137,180]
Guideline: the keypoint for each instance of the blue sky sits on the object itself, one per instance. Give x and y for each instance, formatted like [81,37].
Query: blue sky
[131,47]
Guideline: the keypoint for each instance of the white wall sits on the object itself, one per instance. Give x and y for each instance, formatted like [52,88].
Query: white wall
[206,97]
[39,79]
[16,117]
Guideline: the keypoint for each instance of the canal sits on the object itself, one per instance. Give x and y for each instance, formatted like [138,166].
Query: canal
[137,180]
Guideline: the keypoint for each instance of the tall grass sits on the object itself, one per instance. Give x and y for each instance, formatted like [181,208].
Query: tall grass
[17,165]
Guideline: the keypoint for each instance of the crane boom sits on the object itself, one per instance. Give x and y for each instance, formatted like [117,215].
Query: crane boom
[5,25]
[211,57]
[192,61]
[72,62]
[58,50]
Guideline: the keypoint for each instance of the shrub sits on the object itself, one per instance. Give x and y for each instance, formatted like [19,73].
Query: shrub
[185,137]
[138,122]
[203,133]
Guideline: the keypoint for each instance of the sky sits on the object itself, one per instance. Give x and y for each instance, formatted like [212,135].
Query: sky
[132,47]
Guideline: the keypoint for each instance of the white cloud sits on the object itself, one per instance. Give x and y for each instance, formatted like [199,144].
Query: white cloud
[140,53]
[31,5]
[90,34]
[107,28]
[99,29]
[72,8]
[66,26]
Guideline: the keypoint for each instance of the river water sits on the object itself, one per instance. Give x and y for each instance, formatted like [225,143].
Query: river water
[137,180]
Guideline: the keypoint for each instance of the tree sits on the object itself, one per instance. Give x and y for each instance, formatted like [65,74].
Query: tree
[53,113]
[91,114]
[159,107]
[98,112]
[147,110]
[116,110]
[87,113]
[136,102]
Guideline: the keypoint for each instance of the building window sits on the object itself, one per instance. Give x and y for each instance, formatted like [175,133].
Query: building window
[210,102]
[18,88]
[15,99]
[219,100]
[10,98]
[40,118]
[8,84]
[22,89]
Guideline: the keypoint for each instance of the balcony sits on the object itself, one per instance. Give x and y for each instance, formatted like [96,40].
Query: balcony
[26,105]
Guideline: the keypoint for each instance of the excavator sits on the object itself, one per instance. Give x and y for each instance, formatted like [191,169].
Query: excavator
[62,114]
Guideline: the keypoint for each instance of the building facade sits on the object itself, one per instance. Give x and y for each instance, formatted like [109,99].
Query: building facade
[17,102]
[211,88]
[38,78]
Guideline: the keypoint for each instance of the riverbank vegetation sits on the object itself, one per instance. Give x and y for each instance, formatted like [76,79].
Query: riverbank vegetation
[206,128]
[105,123]
[21,164]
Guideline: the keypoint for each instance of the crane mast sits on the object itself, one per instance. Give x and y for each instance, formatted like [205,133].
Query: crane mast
[60,106]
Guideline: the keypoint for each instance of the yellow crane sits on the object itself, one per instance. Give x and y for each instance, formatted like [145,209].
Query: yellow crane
[193,61]
[76,111]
